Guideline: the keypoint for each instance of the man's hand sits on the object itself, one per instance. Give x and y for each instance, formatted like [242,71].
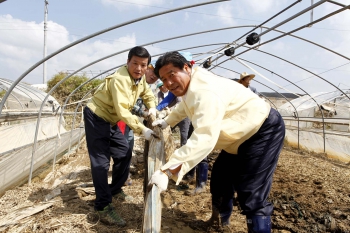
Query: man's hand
[152,111]
[160,179]
[161,123]
[148,133]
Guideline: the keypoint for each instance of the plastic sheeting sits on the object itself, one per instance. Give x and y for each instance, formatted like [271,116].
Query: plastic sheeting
[25,97]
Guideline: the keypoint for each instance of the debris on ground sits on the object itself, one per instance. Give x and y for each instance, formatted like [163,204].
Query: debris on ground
[310,193]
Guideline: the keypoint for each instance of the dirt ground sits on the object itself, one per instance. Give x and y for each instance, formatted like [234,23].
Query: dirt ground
[310,193]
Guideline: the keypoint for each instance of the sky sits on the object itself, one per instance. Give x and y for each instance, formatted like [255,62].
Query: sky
[22,39]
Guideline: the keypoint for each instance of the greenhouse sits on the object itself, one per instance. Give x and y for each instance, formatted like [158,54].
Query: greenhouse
[296,54]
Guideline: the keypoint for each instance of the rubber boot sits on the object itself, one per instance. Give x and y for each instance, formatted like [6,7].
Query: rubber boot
[201,179]
[201,173]
[226,211]
[259,224]
[214,216]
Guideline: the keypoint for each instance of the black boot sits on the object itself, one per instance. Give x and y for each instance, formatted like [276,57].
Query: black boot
[215,217]
[259,224]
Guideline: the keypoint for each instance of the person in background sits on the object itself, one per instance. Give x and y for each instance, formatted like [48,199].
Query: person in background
[112,102]
[225,116]
[163,92]
[245,79]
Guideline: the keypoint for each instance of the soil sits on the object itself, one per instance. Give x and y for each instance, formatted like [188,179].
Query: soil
[310,193]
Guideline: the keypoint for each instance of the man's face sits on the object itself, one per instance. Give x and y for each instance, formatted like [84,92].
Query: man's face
[174,79]
[163,89]
[246,81]
[150,76]
[137,66]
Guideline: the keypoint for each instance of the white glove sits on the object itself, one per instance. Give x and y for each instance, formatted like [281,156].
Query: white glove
[160,179]
[148,133]
[161,123]
[152,111]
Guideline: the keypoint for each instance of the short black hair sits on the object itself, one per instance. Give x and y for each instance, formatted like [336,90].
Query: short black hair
[139,51]
[174,58]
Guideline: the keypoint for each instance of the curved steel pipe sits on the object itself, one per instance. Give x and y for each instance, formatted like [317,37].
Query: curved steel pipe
[96,34]
[276,26]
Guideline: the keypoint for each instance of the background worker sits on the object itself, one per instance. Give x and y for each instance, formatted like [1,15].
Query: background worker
[245,79]
[112,102]
[229,117]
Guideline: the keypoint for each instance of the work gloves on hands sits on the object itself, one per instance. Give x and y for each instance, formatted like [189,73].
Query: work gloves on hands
[152,111]
[160,179]
[161,123]
[148,133]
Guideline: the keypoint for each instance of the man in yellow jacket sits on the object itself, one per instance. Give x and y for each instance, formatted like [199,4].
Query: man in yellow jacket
[112,102]
[227,116]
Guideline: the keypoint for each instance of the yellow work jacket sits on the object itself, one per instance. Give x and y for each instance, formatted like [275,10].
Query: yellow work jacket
[224,114]
[117,95]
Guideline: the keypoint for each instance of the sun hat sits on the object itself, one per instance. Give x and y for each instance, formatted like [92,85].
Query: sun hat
[152,64]
[187,55]
[159,84]
[245,74]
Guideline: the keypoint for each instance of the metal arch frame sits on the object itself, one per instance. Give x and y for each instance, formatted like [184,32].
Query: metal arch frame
[324,133]
[96,34]
[191,34]
[314,22]
[25,88]
[68,47]
[337,88]
[14,97]
[298,1]
[285,80]
[336,3]
[276,26]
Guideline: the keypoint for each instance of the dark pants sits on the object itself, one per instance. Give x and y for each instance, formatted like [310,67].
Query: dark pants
[105,142]
[200,169]
[184,126]
[250,172]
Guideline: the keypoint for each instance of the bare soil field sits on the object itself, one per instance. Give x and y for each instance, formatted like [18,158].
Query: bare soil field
[310,193]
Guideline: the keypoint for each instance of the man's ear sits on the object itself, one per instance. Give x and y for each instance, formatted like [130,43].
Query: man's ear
[187,69]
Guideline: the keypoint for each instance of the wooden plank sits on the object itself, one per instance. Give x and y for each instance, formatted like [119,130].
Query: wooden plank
[15,216]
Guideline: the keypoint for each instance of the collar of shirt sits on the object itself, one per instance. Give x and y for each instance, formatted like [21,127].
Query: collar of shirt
[136,81]
[184,96]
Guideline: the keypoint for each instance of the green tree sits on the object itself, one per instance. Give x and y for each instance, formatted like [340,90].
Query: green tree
[69,85]
[2,93]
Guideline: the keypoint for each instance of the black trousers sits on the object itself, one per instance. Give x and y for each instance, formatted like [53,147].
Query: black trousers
[184,126]
[105,142]
[250,172]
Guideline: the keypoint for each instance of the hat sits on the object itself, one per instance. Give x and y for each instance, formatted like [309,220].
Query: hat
[187,55]
[159,84]
[245,74]
[152,64]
